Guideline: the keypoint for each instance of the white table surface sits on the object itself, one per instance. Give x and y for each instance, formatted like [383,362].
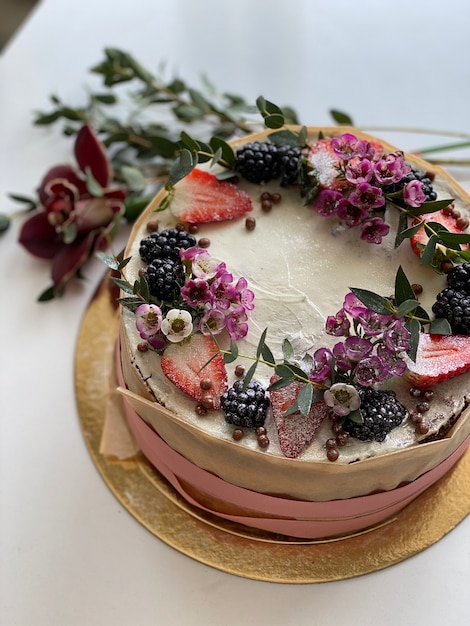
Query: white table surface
[70,554]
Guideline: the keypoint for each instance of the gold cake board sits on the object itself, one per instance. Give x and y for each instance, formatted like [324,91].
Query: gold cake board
[228,546]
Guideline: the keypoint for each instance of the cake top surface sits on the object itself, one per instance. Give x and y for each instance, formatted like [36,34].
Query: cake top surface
[288,261]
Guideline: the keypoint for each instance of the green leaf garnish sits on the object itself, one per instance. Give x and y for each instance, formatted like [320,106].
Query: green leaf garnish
[373,301]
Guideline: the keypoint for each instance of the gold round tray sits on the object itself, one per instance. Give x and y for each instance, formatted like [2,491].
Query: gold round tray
[228,546]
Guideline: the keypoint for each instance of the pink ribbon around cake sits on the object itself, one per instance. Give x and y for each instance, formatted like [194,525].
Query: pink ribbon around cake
[295,518]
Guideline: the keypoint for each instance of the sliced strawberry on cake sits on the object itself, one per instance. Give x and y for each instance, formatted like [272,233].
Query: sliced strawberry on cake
[295,431]
[445,217]
[200,197]
[439,358]
[197,369]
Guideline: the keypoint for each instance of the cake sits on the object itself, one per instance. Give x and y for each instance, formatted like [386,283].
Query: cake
[341,316]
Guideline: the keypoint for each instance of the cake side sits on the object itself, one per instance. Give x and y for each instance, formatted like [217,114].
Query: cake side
[298,283]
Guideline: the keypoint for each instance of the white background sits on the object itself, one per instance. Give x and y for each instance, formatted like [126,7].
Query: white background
[69,553]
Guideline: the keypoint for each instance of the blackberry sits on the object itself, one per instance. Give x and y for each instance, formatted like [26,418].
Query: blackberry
[459,278]
[454,306]
[381,413]
[289,157]
[165,277]
[246,408]
[165,244]
[428,189]
[258,161]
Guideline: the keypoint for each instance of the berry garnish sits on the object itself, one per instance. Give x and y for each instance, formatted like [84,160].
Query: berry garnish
[420,238]
[189,363]
[200,197]
[381,413]
[295,431]
[439,357]
[164,277]
[258,161]
[165,244]
[454,306]
[459,278]
[245,408]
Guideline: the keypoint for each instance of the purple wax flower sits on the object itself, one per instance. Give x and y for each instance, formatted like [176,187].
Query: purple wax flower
[413,193]
[367,196]
[326,203]
[373,230]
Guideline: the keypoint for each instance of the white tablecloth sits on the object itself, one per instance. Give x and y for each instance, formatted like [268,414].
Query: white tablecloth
[69,553]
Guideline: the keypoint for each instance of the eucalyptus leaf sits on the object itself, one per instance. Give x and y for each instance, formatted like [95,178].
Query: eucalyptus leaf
[232,353]
[403,289]
[341,117]
[249,375]
[440,326]
[182,166]
[401,229]
[279,384]
[124,286]
[356,417]
[133,177]
[189,142]
[427,254]
[304,399]
[412,230]
[429,207]
[267,354]
[414,327]
[274,120]
[123,263]
[284,371]
[227,151]
[4,222]
[48,294]
[261,342]
[406,307]
[132,304]
[373,301]
[108,260]
[287,349]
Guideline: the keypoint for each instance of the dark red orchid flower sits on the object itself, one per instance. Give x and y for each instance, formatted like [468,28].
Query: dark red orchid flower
[77,213]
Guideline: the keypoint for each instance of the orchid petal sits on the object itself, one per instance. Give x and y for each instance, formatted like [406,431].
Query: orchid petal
[70,258]
[66,172]
[39,237]
[90,153]
[93,213]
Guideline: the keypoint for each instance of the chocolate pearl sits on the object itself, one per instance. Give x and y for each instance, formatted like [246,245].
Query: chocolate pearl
[261,430]
[207,402]
[416,417]
[448,209]
[263,441]
[428,395]
[193,229]
[417,288]
[204,242]
[431,175]
[332,454]
[142,346]
[180,226]
[421,428]
[201,410]
[415,392]
[446,266]
[422,407]
[239,371]
[250,223]
[265,196]
[152,226]
[205,384]
[276,198]
[336,427]
[237,434]
[456,214]
[342,438]
[266,205]
[330,443]
[463,223]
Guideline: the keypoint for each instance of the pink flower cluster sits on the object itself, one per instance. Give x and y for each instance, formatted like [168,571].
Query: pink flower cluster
[360,191]
[210,289]
[210,302]
[371,355]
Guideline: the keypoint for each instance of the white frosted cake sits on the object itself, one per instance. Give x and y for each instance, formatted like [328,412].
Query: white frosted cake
[264,279]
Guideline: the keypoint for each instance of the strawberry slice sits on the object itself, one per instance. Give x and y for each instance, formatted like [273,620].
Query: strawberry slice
[439,358]
[200,197]
[295,431]
[420,238]
[189,363]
